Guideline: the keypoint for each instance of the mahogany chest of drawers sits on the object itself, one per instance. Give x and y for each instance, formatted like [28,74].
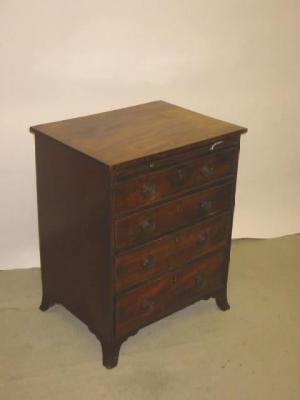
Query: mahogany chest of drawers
[135,212]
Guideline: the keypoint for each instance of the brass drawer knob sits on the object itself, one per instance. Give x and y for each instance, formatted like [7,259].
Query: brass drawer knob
[148,225]
[199,280]
[149,262]
[180,174]
[149,189]
[206,205]
[120,272]
[207,170]
[179,209]
[177,238]
[202,239]
[148,304]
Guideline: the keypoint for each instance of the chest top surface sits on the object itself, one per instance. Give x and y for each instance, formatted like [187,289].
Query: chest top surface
[123,135]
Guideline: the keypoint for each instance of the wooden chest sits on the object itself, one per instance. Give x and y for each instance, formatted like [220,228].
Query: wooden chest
[135,212]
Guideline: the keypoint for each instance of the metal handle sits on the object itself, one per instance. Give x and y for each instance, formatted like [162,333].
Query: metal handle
[213,146]
[151,164]
[207,170]
[149,189]
[149,262]
[179,208]
[120,272]
[206,205]
[180,174]
[148,225]
[199,280]
[147,305]
[202,239]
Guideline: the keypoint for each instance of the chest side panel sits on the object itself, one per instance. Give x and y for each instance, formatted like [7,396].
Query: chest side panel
[75,234]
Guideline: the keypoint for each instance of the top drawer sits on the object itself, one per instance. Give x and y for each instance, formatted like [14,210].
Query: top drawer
[164,160]
[151,188]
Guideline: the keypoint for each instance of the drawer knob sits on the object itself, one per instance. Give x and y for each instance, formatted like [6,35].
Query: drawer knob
[149,262]
[120,272]
[206,205]
[147,305]
[180,174]
[207,170]
[148,225]
[199,280]
[149,189]
[202,239]
[179,209]
[151,164]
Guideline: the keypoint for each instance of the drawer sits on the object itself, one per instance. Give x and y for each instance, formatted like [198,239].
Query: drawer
[154,222]
[164,160]
[151,188]
[170,292]
[171,251]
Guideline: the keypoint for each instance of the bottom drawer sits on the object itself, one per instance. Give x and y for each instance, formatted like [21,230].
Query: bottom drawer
[169,292]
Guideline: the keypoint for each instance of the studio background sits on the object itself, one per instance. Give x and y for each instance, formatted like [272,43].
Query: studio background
[233,60]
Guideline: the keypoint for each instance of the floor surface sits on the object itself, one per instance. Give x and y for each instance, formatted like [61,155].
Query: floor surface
[251,352]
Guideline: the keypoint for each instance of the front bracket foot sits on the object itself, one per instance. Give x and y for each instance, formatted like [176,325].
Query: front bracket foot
[110,352]
[222,302]
[46,303]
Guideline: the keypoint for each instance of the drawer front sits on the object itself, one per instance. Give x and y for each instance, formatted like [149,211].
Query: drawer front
[170,292]
[153,163]
[154,187]
[142,226]
[171,251]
